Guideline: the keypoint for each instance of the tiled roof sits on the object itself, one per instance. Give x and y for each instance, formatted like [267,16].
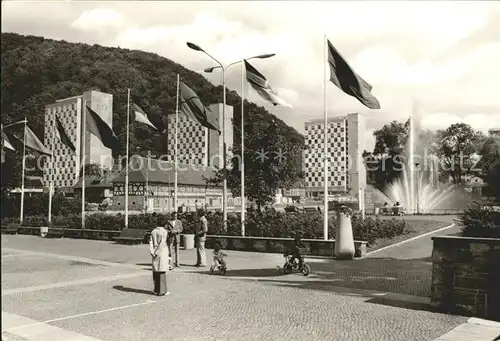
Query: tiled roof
[163,172]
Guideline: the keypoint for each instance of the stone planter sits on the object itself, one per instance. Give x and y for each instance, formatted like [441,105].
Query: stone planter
[43,231]
[188,241]
[344,240]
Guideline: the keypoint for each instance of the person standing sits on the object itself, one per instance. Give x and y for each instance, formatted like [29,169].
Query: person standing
[159,253]
[201,237]
[175,239]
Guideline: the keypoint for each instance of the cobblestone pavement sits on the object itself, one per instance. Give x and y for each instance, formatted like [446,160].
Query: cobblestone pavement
[102,290]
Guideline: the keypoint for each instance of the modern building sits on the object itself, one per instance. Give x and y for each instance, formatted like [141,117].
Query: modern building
[65,168]
[346,142]
[199,145]
[151,187]
[494,132]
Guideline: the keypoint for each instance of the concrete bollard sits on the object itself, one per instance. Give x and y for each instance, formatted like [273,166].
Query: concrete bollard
[344,240]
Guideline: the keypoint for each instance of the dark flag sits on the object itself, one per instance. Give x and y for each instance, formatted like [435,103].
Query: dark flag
[260,84]
[96,125]
[344,77]
[63,137]
[192,107]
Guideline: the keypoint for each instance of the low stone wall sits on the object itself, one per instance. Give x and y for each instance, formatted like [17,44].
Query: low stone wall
[313,247]
[466,276]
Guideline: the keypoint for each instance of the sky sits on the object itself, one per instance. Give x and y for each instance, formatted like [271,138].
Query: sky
[435,60]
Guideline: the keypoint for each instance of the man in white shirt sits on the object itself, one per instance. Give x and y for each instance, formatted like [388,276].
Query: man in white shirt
[175,240]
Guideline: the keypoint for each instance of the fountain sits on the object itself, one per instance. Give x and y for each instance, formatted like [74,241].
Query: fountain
[424,195]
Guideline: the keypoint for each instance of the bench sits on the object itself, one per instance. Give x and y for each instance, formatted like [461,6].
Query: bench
[10,229]
[56,232]
[131,236]
[310,210]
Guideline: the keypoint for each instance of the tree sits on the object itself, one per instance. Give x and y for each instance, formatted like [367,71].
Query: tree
[95,170]
[273,155]
[490,166]
[385,164]
[455,148]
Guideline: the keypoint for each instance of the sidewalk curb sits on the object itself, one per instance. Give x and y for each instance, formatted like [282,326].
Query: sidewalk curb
[410,239]
[483,322]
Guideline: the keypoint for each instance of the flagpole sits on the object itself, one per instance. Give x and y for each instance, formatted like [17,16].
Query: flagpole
[127,166]
[325,213]
[176,146]
[243,206]
[147,186]
[24,169]
[84,133]
[51,182]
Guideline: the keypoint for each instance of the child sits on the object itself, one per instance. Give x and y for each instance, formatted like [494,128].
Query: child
[219,256]
[296,250]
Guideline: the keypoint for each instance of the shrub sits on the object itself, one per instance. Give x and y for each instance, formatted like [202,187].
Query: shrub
[479,220]
[271,224]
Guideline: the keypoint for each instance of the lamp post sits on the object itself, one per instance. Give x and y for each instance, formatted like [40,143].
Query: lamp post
[417,164]
[224,68]
[242,163]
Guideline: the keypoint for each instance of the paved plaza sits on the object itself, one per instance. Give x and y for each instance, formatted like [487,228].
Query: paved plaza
[66,289]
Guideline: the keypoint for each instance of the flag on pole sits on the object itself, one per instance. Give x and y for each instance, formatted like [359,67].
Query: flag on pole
[6,142]
[62,136]
[260,84]
[31,140]
[140,116]
[344,77]
[192,107]
[99,128]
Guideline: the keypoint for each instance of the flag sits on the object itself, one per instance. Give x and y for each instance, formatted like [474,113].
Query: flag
[193,108]
[63,137]
[31,141]
[140,116]
[344,77]
[260,84]
[96,125]
[6,142]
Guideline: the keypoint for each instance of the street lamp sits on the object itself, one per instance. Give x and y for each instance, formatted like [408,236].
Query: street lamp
[224,68]
[242,165]
[417,164]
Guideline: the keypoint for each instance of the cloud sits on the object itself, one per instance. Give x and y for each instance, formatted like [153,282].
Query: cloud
[481,122]
[98,19]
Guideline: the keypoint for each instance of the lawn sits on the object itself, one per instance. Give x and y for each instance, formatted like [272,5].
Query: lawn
[416,228]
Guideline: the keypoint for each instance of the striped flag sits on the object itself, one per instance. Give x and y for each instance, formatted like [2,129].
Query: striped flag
[260,84]
[99,128]
[344,77]
[192,107]
[6,142]
[140,116]
[21,132]
[62,136]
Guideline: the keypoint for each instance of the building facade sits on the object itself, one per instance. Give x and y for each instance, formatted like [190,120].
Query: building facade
[151,187]
[65,167]
[198,145]
[345,145]
[495,132]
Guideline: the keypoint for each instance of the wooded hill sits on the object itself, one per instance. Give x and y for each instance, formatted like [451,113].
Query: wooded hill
[37,71]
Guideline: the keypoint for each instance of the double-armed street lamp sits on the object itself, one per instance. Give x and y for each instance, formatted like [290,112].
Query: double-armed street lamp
[224,189]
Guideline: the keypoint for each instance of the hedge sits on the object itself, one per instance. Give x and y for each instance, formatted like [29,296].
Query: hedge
[480,220]
[277,224]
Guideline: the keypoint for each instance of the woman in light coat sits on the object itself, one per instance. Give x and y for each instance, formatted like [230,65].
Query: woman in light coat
[159,252]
